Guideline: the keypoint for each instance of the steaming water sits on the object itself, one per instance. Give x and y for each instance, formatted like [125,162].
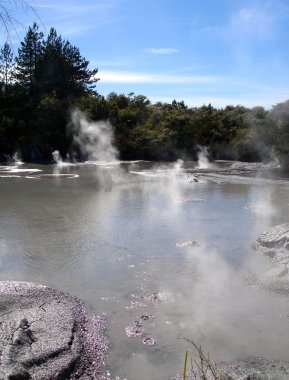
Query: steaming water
[163,251]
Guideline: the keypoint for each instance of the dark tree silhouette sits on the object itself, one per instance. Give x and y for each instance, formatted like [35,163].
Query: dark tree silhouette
[28,56]
[6,65]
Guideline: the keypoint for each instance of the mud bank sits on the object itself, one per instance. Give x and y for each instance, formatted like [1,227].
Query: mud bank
[248,369]
[274,243]
[255,369]
[47,334]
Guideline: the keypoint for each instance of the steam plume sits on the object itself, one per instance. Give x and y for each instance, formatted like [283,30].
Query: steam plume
[203,160]
[94,139]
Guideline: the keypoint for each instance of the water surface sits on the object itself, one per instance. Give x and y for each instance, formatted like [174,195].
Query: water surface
[139,240]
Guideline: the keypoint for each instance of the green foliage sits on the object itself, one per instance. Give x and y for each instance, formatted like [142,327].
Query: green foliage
[277,130]
[49,78]
[62,70]
[28,56]
[6,66]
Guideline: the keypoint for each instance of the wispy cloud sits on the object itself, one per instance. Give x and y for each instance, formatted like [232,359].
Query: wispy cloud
[107,76]
[247,29]
[254,21]
[75,18]
[76,9]
[162,50]
[220,91]
[250,23]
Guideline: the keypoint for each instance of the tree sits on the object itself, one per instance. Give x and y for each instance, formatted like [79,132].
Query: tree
[61,69]
[28,57]
[6,65]
[276,131]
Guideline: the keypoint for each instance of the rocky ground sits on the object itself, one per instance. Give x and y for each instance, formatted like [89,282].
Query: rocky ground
[47,335]
[273,242]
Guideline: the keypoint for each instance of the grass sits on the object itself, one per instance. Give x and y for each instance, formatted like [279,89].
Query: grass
[202,367]
[185,365]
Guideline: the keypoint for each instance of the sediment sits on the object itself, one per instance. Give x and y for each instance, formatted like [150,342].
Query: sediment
[274,243]
[48,335]
[256,369]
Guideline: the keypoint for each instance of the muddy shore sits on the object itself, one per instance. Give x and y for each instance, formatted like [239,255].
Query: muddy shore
[47,334]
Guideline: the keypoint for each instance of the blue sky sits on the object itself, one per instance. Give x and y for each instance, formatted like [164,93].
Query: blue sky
[221,52]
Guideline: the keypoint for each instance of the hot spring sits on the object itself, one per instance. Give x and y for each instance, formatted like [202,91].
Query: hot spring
[163,250]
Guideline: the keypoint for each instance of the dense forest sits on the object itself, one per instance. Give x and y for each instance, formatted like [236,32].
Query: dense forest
[48,79]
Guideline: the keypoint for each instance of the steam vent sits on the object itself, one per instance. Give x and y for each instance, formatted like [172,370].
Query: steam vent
[47,334]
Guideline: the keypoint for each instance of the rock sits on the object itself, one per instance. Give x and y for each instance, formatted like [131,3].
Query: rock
[147,341]
[223,376]
[47,334]
[274,279]
[274,242]
[256,376]
[256,369]
[187,244]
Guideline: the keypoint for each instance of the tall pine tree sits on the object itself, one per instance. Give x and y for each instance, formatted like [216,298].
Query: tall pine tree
[28,56]
[6,66]
[62,70]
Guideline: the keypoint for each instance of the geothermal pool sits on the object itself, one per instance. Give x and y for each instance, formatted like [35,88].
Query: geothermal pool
[163,250]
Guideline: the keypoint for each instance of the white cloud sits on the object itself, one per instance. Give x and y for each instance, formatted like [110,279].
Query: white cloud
[194,90]
[68,8]
[162,50]
[253,21]
[74,18]
[107,76]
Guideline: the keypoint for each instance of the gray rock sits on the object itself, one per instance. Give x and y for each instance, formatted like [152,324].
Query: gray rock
[274,242]
[256,369]
[46,334]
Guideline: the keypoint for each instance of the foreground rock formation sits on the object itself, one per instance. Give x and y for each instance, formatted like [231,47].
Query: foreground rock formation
[255,369]
[47,335]
[274,242]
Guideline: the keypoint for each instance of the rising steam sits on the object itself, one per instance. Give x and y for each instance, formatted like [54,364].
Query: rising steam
[203,158]
[93,139]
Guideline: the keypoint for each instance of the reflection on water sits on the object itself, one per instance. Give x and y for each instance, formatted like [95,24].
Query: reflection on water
[162,249]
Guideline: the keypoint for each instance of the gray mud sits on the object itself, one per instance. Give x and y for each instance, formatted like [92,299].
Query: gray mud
[238,173]
[274,243]
[248,369]
[256,369]
[46,334]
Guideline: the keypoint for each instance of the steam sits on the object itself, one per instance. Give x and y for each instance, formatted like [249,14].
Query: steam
[17,159]
[203,159]
[94,139]
[261,140]
[57,157]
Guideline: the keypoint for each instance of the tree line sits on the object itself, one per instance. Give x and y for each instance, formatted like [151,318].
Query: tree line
[49,77]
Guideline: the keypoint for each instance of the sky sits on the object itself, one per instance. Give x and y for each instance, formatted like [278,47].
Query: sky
[222,52]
